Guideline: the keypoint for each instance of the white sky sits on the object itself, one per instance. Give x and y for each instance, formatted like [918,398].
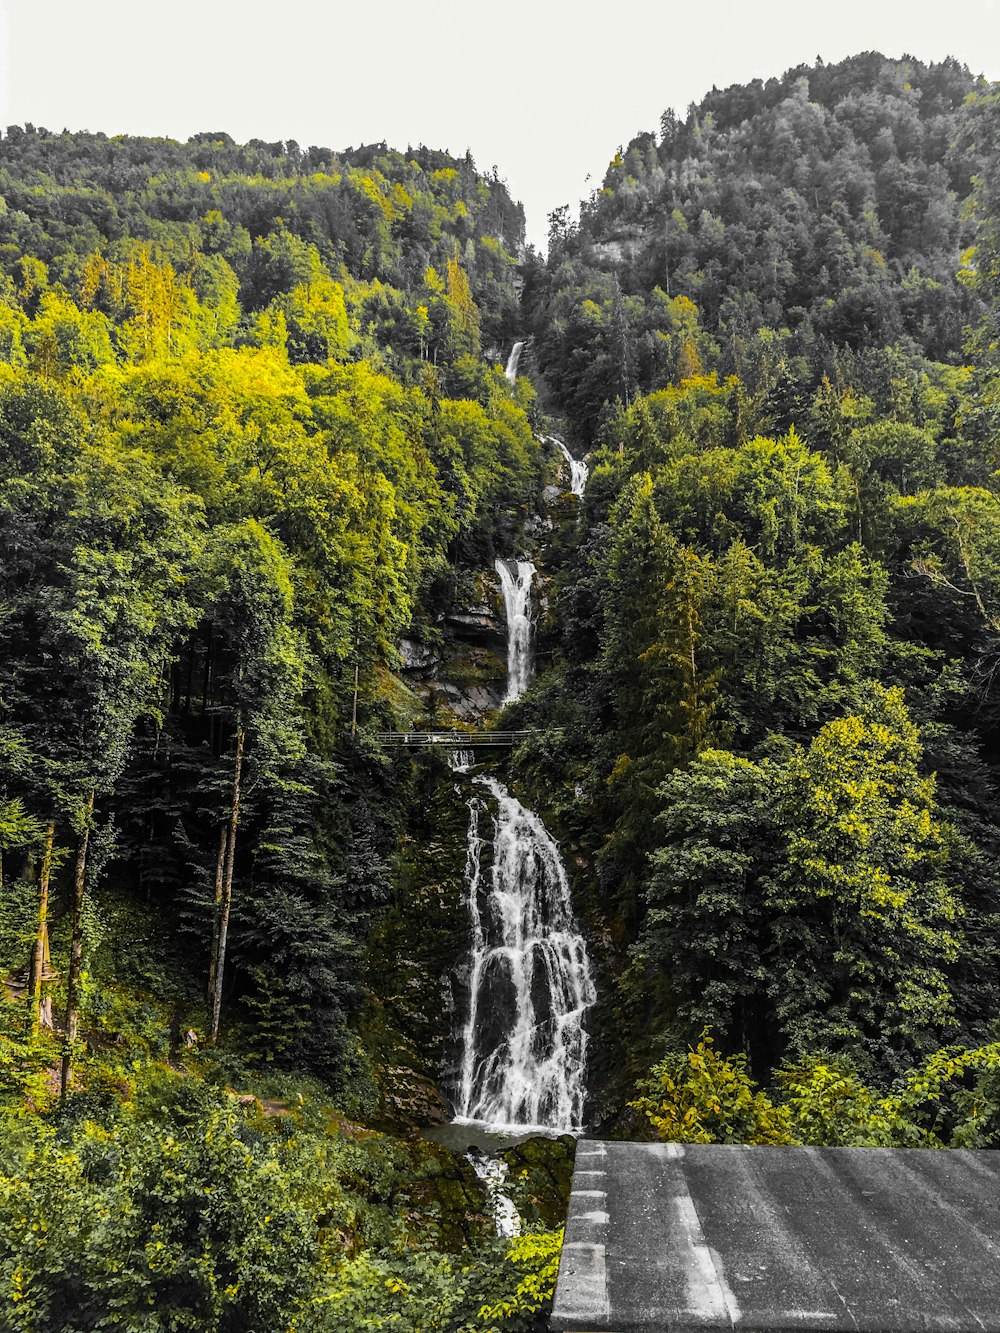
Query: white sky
[546,90]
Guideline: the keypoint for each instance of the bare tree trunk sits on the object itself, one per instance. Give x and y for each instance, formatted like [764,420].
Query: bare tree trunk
[75,951]
[227,889]
[220,865]
[40,954]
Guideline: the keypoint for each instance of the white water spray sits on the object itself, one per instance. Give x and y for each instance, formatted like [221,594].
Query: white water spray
[524,1043]
[512,361]
[515,583]
[578,470]
[493,1171]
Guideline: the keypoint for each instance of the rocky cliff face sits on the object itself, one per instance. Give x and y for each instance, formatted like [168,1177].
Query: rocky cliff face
[458,670]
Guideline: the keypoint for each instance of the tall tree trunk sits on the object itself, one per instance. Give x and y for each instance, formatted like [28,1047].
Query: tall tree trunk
[41,950]
[206,683]
[76,950]
[227,889]
[220,866]
[190,682]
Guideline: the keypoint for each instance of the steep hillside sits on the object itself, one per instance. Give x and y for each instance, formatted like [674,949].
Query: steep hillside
[774,688]
[827,206]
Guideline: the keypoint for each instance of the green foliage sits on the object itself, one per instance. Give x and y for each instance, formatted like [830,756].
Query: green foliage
[181,1208]
[981,269]
[700,947]
[410,1292]
[703,1097]
[422,1292]
[247,431]
[195,1219]
[253,431]
[26,1060]
[828,1105]
[535,1259]
[865,916]
[949,1100]
[810,902]
[230,476]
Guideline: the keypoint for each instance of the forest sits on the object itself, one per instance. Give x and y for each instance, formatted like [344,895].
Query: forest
[259,455]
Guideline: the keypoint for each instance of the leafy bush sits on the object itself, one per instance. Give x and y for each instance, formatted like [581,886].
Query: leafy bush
[704,1097]
[185,1207]
[952,1099]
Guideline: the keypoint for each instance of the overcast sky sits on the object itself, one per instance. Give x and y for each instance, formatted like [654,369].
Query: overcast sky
[545,90]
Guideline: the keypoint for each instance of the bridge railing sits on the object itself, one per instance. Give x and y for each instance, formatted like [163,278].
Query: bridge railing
[452,740]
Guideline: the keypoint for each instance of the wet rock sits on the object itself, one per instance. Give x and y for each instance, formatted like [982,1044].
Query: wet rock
[472,703]
[444,1197]
[482,617]
[412,956]
[535,526]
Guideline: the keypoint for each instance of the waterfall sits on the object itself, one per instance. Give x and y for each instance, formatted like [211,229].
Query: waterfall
[516,588]
[524,1044]
[530,986]
[578,470]
[493,1172]
[473,875]
[512,360]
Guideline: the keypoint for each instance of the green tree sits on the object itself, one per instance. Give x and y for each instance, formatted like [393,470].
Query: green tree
[662,696]
[864,915]
[701,939]
[251,603]
[101,549]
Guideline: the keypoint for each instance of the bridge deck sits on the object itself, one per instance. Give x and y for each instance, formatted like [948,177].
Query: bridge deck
[847,1240]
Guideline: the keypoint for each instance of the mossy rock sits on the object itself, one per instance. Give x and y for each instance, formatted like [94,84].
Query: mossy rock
[424,938]
[539,1176]
[444,1198]
[410,1100]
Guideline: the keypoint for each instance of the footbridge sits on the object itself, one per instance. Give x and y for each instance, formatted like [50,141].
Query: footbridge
[454,740]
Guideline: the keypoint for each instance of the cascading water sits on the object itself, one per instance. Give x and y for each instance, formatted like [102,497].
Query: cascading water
[524,1044]
[578,470]
[515,583]
[460,761]
[493,1171]
[512,360]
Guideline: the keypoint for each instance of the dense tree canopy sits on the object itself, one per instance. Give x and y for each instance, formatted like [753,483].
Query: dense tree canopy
[257,450]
